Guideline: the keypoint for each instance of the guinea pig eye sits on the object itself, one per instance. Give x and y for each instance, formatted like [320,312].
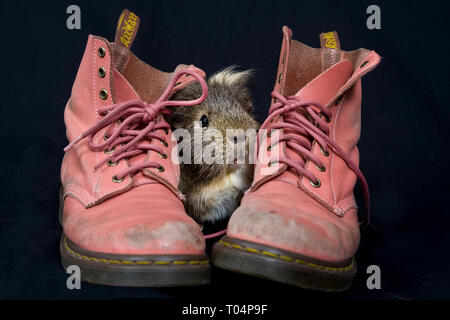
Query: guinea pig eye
[204,121]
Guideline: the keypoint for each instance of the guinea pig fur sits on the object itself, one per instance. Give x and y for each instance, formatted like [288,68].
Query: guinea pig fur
[214,191]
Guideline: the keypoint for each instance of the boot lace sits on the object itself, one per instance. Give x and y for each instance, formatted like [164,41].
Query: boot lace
[304,125]
[132,122]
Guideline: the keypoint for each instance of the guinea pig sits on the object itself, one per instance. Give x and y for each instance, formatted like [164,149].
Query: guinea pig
[214,190]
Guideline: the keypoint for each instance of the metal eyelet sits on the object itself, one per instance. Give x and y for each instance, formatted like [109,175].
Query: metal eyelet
[112,164]
[270,148]
[316,184]
[160,168]
[326,154]
[101,72]
[103,94]
[115,180]
[321,169]
[325,117]
[163,155]
[110,151]
[271,163]
[101,52]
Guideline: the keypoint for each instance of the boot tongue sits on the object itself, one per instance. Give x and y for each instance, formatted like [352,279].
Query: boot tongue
[325,86]
[335,72]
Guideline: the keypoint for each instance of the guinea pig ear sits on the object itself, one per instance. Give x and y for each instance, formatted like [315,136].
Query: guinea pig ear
[245,99]
[191,92]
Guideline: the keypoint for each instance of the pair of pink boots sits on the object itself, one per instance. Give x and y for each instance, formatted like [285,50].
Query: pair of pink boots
[122,213]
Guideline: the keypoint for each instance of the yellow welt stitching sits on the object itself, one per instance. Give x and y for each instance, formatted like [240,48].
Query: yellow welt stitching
[299,261]
[286,258]
[270,254]
[75,254]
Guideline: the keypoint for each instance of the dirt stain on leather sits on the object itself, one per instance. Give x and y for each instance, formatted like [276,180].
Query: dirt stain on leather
[171,234]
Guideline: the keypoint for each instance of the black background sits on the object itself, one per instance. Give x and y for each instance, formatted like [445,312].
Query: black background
[404,144]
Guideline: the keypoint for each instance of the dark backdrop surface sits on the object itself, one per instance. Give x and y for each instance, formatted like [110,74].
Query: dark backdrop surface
[404,144]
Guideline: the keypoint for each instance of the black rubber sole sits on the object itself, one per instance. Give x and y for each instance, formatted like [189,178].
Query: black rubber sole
[138,270]
[282,266]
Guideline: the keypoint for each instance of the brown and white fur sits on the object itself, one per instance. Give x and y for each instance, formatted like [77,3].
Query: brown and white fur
[214,191]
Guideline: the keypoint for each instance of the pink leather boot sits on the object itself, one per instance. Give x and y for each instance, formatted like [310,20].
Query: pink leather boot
[298,223]
[121,211]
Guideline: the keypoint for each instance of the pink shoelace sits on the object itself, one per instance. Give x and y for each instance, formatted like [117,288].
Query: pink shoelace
[300,135]
[129,117]
[125,123]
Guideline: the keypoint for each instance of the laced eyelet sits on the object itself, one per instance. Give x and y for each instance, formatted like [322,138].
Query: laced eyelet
[328,120]
[165,144]
[326,154]
[166,131]
[271,163]
[269,134]
[101,52]
[105,136]
[321,169]
[160,168]
[112,164]
[110,151]
[115,180]
[163,155]
[270,147]
[316,184]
